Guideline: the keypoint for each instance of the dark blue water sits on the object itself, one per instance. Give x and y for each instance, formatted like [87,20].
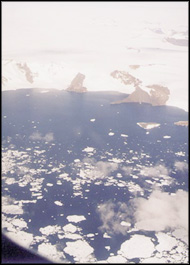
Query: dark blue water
[67,116]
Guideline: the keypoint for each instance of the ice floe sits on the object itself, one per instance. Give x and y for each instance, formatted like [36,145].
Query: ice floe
[75,218]
[70,228]
[166,242]
[21,237]
[80,250]
[138,246]
[58,203]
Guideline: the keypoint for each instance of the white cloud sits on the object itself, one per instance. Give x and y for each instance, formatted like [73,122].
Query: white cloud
[156,171]
[36,136]
[48,137]
[161,211]
[112,215]
[127,170]
[97,169]
[105,167]
[181,166]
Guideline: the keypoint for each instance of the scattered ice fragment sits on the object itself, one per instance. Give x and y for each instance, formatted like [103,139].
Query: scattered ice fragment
[124,135]
[50,251]
[49,184]
[58,203]
[105,235]
[116,160]
[19,223]
[59,182]
[166,242]
[117,259]
[90,235]
[79,249]
[125,223]
[88,149]
[72,236]
[49,230]
[69,228]
[154,260]
[77,160]
[20,237]
[75,218]
[12,209]
[180,153]
[107,247]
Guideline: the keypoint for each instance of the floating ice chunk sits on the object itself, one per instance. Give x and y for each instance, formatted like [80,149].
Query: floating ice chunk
[10,181]
[105,235]
[12,209]
[58,203]
[22,238]
[148,125]
[166,137]
[79,249]
[180,153]
[88,149]
[117,259]
[70,228]
[121,185]
[116,160]
[125,223]
[137,247]
[124,135]
[19,223]
[90,235]
[75,218]
[154,260]
[72,236]
[49,230]
[63,176]
[182,234]
[50,251]
[59,182]
[107,247]
[166,242]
